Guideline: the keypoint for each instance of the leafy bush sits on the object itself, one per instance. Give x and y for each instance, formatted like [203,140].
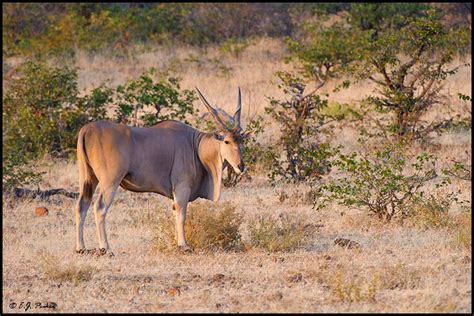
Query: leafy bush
[409,86]
[322,53]
[208,227]
[17,172]
[285,234]
[58,29]
[42,113]
[458,170]
[42,110]
[220,22]
[381,181]
[301,123]
[137,98]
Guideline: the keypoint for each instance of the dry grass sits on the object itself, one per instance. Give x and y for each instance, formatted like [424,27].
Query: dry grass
[354,289]
[432,212]
[287,233]
[397,268]
[55,270]
[415,270]
[208,228]
[463,230]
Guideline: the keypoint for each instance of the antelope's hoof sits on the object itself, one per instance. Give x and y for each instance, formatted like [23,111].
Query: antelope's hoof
[80,251]
[185,249]
[104,251]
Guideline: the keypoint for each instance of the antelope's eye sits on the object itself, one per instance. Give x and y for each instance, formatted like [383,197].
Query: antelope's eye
[226,141]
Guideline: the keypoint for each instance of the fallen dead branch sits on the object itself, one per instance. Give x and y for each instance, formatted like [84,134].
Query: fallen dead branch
[42,194]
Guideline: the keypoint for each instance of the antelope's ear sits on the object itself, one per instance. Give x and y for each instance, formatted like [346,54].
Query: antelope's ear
[218,136]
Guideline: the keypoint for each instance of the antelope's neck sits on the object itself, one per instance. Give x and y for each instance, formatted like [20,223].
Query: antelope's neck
[210,156]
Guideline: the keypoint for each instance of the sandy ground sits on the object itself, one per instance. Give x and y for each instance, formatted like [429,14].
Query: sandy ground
[408,269]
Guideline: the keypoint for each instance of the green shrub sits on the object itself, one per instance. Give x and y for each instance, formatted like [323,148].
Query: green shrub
[42,110]
[146,102]
[380,182]
[42,113]
[458,170]
[18,172]
[45,29]
[302,123]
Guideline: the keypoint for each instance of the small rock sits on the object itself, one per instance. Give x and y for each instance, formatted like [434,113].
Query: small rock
[41,211]
[327,257]
[173,291]
[218,305]
[295,278]
[275,296]
[346,243]
[218,277]
[466,259]
[147,280]
[136,289]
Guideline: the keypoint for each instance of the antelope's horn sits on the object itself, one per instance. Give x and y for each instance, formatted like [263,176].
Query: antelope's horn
[237,113]
[213,111]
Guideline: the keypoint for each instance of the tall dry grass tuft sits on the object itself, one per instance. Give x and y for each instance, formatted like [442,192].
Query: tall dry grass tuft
[288,233]
[432,212]
[209,227]
[57,271]
[463,230]
[400,276]
[348,288]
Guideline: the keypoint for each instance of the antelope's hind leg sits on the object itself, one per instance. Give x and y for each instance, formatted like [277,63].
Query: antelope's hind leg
[83,204]
[101,207]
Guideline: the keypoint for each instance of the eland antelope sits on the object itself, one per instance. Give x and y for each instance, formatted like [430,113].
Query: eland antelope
[170,158]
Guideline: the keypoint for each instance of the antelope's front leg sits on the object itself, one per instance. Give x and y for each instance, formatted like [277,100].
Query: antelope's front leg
[181,199]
